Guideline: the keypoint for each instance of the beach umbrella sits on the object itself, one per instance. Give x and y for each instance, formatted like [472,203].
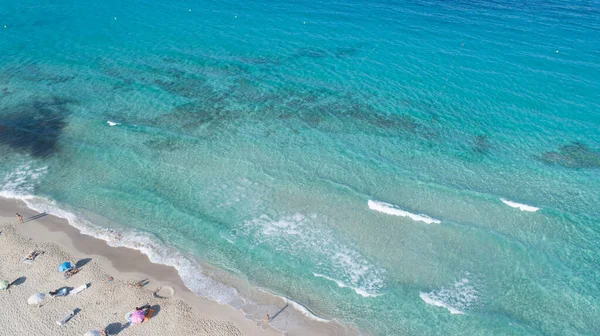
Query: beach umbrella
[93,333]
[65,266]
[36,299]
[137,316]
[3,284]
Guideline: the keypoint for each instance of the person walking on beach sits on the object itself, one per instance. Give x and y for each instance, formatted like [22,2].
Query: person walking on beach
[268,319]
[20,218]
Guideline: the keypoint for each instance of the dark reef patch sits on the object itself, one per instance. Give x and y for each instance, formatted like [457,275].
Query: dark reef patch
[249,99]
[575,155]
[190,116]
[261,60]
[163,144]
[314,53]
[481,144]
[35,73]
[35,126]
[188,87]
[346,52]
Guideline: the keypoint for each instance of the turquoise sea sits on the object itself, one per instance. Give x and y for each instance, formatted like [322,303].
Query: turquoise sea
[419,167]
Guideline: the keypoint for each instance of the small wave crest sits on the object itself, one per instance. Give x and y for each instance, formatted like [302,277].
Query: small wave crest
[520,206]
[112,123]
[391,209]
[343,285]
[456,299]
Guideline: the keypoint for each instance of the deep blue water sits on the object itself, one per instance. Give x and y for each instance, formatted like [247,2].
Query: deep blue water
[349,156]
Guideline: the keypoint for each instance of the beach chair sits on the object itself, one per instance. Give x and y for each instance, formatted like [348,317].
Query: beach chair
[66,318]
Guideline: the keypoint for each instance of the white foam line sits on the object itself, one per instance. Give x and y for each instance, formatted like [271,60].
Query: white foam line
[299,307]
[391,209]
[189,270]
[112,123]
[431,301]
[522,207]
[305,311]
[343,285]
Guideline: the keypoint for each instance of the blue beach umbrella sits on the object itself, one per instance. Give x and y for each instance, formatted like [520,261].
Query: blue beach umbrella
[65,266]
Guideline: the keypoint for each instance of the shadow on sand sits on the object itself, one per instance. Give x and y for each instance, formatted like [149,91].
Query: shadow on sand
[34,217]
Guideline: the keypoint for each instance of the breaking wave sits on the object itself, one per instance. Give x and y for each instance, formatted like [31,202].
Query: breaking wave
[391,209]
[520,206]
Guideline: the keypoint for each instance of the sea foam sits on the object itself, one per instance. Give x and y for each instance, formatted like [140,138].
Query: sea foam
[21,182]
[391,209]
[305,241]
[522,207]
[456,299]
[112,123]
[340,284]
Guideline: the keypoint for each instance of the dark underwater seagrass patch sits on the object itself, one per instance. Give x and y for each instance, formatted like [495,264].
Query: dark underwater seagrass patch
[575,155]
[35,126]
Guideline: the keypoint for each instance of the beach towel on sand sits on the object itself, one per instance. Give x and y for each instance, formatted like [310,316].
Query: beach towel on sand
[30,258]
[79,289]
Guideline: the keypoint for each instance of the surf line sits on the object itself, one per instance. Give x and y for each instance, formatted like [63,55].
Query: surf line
[520,206]
[393,210]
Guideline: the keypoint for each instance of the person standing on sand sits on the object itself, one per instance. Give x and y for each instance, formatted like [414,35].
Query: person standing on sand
[20,218]
[268,319]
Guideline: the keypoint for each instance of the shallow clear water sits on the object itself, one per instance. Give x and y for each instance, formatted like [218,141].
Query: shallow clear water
[248,140]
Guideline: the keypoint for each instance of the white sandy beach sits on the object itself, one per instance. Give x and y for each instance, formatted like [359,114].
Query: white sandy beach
[105,303]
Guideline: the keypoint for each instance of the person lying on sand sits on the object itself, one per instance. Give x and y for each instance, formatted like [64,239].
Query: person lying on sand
[138,284]
[69,273]
[59,292]
[33,254]
[144,308]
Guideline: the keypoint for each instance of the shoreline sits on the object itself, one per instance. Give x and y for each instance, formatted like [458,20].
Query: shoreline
[129,264]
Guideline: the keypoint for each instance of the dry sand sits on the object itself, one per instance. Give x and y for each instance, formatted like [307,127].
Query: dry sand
[105,303]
